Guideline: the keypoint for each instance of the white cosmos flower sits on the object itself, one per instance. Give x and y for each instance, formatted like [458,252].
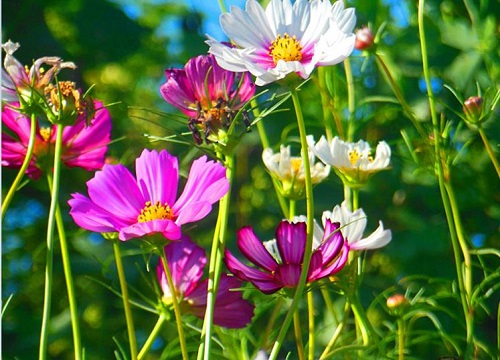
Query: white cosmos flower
[353,224]
[285,38]
[289,170]
[353,161]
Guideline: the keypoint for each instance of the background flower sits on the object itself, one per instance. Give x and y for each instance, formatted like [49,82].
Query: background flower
[146,204]
[285,38]
[289,170]
[353,224]
[186,261]
[279,262]
[84,145]
[353,162]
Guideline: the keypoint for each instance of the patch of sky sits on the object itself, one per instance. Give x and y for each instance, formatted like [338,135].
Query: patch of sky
[436,85]
[11,242]
[20,265]
[478,240]
[22,216]
[399,12]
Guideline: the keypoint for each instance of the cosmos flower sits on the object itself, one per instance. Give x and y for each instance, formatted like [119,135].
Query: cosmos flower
[148,204]
[208,94]
[353,226]
[186,261]
[26,86]
[353,162]
[84,145]
[289,171]
[285,38]
[278,263]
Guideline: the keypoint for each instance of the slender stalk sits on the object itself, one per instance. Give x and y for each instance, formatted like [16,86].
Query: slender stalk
[312,333]
[338,331]
[401,339]
[27,159]
[298,336]
[442,181]
[310,228]
[215,267]
[50,245]
[265,144]
[222,6]
[175,303]
[325,100]
[150,340]
[490,151]
[126,303]
[73,308]
[291,214]
[399,95]
[362,321]
[351,100]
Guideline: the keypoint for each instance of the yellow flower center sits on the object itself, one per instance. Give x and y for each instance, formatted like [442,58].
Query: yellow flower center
[295,165]
[355,155]
[155,211]
[46,132]
[285,48]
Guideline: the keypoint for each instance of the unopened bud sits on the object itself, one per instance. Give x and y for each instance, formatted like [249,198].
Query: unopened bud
[397,304]
[364,38]
[473,109]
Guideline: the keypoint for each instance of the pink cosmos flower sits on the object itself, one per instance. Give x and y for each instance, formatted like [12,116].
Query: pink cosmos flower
[285,38]
[186,261]
[279,262]
[147,204]
[206,93]
[19,84]
[84,145]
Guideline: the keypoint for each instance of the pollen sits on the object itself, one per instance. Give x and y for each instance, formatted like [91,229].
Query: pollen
[46,132]
[355,156]
[285,48]
[295,165]
[155,211]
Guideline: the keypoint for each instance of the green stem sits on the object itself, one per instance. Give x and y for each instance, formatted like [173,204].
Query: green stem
[351,100]
[27,159]
[298,336]
[401,339]
[50,245]
[73,308]
[361,319]
[292,207]
[490,151]
[265,145]
[222,6]
[312,333]
[325,104]
[338,331]
[442,181]
[125,298]
[175,303]
[399,95]
[150,340]
[215,267]
[310,228]
[355,199]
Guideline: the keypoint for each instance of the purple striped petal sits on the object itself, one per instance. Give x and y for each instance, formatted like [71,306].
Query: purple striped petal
[167,228]
[289,274]
[291,240]
[90,216]
[253,249]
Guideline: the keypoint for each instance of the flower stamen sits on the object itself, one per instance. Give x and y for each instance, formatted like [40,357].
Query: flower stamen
[285,48]
[45,133]
[155,211]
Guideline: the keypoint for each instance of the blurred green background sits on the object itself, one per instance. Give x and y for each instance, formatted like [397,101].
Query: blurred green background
[123,47]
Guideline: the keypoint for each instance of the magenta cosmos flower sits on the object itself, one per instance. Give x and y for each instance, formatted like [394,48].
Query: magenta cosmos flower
[208,94]
[186,261]
[285,38]
[84,145]
[279,262]
[147,204]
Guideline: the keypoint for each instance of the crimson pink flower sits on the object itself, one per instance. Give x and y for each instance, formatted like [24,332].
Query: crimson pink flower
[186,261]
[84,145]
[147,204]
[206,93]
[280,261]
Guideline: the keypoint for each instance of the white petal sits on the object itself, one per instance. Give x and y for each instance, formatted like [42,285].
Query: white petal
[377,239]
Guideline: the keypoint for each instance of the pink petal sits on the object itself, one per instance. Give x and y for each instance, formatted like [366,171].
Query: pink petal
[169,229]
[253,249]
[291,240]
[90,216]
[289,274]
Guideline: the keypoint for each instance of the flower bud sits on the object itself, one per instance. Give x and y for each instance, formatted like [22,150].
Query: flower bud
[397,304]
[364,38]
[473,109]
